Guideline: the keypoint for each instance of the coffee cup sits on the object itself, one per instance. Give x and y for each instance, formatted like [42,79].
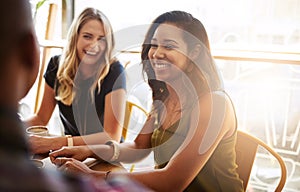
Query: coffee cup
[37,130]
[38,163]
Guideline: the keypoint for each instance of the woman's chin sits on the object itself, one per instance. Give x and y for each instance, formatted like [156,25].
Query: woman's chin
[87,60]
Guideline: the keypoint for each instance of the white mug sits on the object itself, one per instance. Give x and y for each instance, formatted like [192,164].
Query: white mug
[37,130]
[38,163]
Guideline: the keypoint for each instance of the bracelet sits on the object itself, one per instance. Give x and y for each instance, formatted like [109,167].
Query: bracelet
[106,175]
[69,140]
[116,149]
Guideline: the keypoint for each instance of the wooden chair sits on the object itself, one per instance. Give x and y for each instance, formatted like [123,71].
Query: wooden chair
[128,112]
[246,149]
[46,52]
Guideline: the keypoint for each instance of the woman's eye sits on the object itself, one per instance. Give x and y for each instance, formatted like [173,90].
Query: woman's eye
[169,47]
[87,36]
[102,39]
[153,45]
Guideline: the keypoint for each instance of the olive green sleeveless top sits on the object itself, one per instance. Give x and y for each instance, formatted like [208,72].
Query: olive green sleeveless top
[218,174]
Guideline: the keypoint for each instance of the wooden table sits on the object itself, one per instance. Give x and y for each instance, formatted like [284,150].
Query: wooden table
[94,164]
[97,165]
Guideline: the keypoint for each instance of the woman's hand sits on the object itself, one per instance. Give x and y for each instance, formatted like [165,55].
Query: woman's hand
[77,152]
[41,145]
[71,165]
[74,166]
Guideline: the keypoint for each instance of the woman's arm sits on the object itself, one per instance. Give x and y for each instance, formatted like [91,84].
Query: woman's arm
[45,110]
[211,121]
[114,113]
[38,144]
[129,152]
[113,123]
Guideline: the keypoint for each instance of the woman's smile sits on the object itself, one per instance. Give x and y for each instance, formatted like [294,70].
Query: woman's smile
[91,53]
[161,65]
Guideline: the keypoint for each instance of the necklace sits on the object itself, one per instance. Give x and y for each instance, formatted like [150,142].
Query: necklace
[170,116]
[172,112]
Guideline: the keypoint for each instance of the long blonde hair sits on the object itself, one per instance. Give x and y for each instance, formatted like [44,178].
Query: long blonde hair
[69,61]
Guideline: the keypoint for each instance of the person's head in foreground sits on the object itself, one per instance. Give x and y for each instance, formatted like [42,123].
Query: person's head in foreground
[19,64]
[19,52]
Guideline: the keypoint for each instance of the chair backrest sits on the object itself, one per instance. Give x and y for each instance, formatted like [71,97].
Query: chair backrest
[49,34]
[128,112]
[246,149]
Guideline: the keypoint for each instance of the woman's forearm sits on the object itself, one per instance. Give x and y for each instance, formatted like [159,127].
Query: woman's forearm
[92,139]
[34,120]
[128,152]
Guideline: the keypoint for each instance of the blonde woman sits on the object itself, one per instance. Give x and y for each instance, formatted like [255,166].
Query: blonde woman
[87,84]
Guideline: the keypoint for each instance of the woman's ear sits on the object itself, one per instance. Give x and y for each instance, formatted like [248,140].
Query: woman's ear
[195,52]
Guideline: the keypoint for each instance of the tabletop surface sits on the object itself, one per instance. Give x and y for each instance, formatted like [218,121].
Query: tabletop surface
[94,164]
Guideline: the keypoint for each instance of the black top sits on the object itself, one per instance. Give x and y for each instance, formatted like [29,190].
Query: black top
[83,116]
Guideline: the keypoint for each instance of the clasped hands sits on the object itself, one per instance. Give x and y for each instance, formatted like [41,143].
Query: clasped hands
[69,159]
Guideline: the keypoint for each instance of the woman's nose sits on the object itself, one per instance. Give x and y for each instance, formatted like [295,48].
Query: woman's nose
[94,45]
[158,53]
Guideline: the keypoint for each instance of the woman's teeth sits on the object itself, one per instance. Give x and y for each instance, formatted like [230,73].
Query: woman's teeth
[160,65]
[91,53]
